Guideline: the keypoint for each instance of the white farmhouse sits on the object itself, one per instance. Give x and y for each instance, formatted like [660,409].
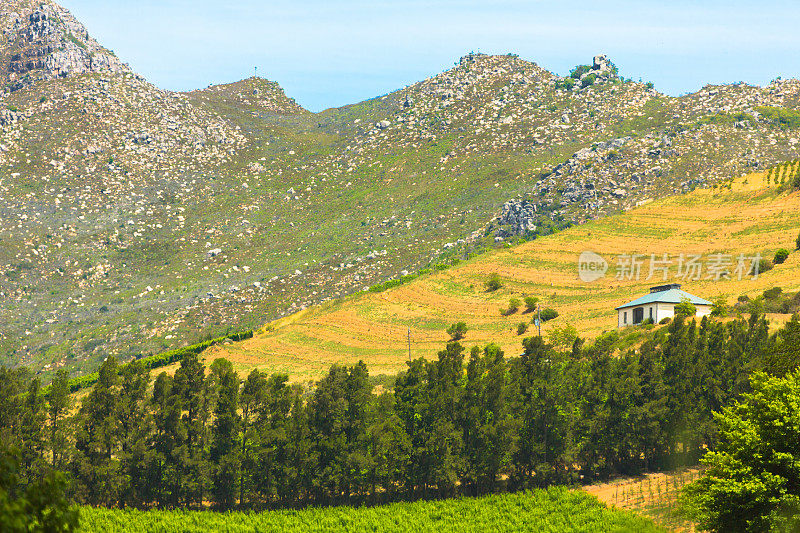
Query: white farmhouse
[659,304]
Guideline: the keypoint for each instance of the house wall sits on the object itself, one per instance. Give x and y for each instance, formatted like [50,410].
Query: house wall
[661,310]
[664,310]
[703,310]
[627,320]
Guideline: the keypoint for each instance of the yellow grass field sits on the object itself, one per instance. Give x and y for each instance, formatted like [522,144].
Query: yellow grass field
[749,217]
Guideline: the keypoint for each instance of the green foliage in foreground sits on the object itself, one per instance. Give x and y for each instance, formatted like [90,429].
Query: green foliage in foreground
[554,509]
[753,480]
[33,505]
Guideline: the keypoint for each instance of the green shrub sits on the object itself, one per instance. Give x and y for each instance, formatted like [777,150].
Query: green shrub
[749,483]
[665,320]
[685,308]
[780,256]
[522,327]
[771,294]
[588,80]
[720,307]
[579,71]
[530,303]
[786,118]
[513,305]
[457,331]
[548,313]
[493,283]
[764,265]
[566,83]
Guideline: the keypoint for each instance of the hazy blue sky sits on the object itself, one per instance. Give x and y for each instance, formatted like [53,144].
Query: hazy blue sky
[333,53]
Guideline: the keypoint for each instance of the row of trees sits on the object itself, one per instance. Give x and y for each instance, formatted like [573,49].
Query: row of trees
[466,422]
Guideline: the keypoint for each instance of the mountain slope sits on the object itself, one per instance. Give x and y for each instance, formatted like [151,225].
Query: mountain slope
[136,219]
[748,219]
[41,40]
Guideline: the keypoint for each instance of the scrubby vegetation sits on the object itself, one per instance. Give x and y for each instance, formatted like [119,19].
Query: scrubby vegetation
[457,331]
[548,313]
[493,283]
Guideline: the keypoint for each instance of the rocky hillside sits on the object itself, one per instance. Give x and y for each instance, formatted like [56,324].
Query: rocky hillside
[40,40]
[137,219]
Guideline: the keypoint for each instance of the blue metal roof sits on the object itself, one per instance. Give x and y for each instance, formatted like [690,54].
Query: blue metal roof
[672,296]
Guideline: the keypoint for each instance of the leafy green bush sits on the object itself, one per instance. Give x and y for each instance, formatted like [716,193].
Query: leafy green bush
[513,305]
[685,308]
[780,256]
[493,283]
[579,71]
[720,307]
[566,83]
[40,505]
[588,80]
[457,331]
[530,303]
[750,481]
[665,320]
[522,327]
[548,313]
[771,294]
[797,242]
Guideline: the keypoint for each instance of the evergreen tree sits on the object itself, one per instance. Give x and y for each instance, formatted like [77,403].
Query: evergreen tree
[191,392]
[224,457]
[388,446]
[134,423]
[328,409]
[59,402]
[32,431]
[163,468]
[250,402]
[489,431]
[540,459]
[95,465]
[784,356]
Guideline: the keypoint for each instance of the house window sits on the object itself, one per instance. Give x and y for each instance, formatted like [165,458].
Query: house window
[625,317]
[651,313]
[638,315]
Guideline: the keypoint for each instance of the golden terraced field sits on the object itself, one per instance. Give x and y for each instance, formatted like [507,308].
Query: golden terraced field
[749,217]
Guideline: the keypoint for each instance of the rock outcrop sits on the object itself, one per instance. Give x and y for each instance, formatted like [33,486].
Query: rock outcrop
[42,40]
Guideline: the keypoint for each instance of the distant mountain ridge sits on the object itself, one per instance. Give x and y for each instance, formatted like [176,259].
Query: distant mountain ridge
[137,219]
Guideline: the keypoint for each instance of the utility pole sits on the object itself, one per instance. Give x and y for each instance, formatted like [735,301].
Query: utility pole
[539,318]
[256,72]
[409,343]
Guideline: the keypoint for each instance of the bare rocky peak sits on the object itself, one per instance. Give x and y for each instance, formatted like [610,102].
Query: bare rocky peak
[42,40]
